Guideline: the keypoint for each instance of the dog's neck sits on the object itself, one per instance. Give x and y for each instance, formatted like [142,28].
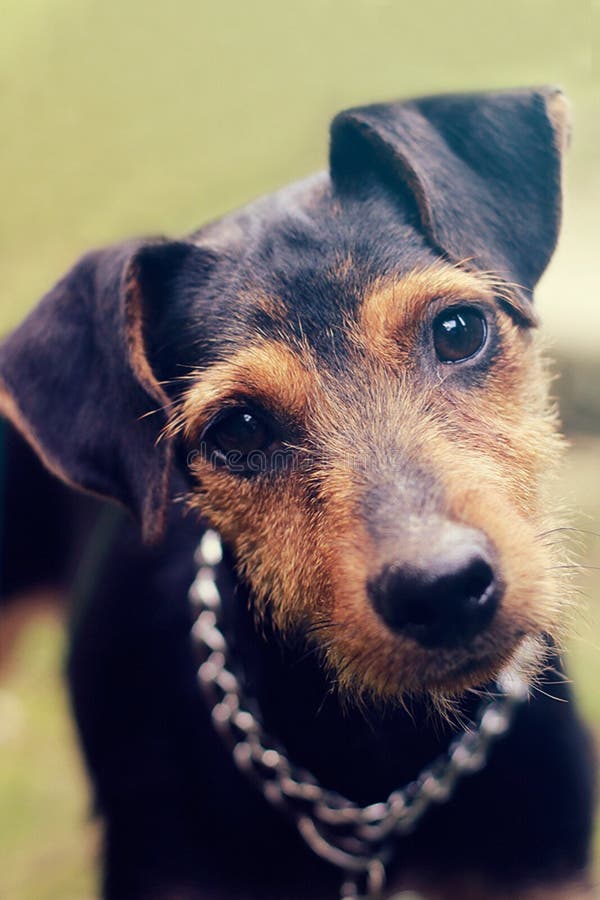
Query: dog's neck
[364,753]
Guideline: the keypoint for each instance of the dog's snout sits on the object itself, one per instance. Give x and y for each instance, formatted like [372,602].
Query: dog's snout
[446,598]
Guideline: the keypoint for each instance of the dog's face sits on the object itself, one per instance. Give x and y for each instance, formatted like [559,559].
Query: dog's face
[349,373]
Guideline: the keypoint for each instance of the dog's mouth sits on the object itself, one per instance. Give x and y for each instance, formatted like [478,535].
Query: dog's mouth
[383,666]
[458,605]
[480,668]
[455,610]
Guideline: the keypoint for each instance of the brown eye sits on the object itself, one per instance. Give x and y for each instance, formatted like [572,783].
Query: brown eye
[244,441]
[240,431]
[458,333]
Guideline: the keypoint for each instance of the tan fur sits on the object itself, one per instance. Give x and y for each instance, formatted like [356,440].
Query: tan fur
[559,113]
[301,539]
[134,306]
[9,409]
[273,307]
[392,312]
[267,372]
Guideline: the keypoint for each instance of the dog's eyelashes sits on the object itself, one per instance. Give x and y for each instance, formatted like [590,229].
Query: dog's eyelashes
[459,333]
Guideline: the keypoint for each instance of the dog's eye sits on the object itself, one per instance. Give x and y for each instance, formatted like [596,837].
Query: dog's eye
[243,440]
[458,333]
[240,430]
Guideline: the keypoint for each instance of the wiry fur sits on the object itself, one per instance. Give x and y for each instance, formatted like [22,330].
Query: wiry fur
[483,456]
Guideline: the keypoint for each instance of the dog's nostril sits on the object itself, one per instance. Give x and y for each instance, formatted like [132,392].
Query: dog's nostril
[445,604]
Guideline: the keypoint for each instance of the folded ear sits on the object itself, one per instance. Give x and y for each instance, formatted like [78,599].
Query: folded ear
[76,381]
[484,171]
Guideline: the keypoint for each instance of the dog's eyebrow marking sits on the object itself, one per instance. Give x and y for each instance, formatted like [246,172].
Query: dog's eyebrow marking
[345,265]
[391,312]
[268,372]
[272,306]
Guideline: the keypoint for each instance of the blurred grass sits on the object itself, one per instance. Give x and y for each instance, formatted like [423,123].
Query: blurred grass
[46,834]
[146,118]
[134,117]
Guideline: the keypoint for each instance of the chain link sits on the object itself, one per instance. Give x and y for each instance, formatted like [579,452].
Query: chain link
[357,839]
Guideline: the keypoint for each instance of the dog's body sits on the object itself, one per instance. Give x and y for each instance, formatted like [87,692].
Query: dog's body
[183,823]
[346,393]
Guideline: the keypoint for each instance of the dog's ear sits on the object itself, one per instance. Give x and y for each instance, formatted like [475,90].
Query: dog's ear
[482,170]
[75,378]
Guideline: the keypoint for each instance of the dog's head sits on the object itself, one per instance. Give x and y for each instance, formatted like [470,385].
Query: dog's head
[348,372]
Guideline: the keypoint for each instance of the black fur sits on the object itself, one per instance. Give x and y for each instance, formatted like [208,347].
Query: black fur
[480,194]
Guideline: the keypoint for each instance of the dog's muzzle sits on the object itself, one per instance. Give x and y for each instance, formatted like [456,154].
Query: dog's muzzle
[447,595]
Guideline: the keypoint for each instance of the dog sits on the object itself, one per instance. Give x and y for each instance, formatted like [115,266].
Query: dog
[343,382]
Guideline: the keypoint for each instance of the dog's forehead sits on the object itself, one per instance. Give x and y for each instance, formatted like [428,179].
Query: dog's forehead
[301,260]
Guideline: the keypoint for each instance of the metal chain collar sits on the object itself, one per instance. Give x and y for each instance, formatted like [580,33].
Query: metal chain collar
[358,840]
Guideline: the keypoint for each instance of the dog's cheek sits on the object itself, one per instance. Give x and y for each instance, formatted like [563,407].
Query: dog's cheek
[507,446]
[502,492]
[532,602]
[273,529]
[520,434]
[503,435]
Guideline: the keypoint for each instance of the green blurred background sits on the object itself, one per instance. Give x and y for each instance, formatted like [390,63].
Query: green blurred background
[138,117]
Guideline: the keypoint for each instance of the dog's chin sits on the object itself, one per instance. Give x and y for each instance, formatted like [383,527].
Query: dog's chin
[473,670]
[443,680]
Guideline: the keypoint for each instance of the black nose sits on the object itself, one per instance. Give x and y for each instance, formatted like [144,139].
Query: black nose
[443,604]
